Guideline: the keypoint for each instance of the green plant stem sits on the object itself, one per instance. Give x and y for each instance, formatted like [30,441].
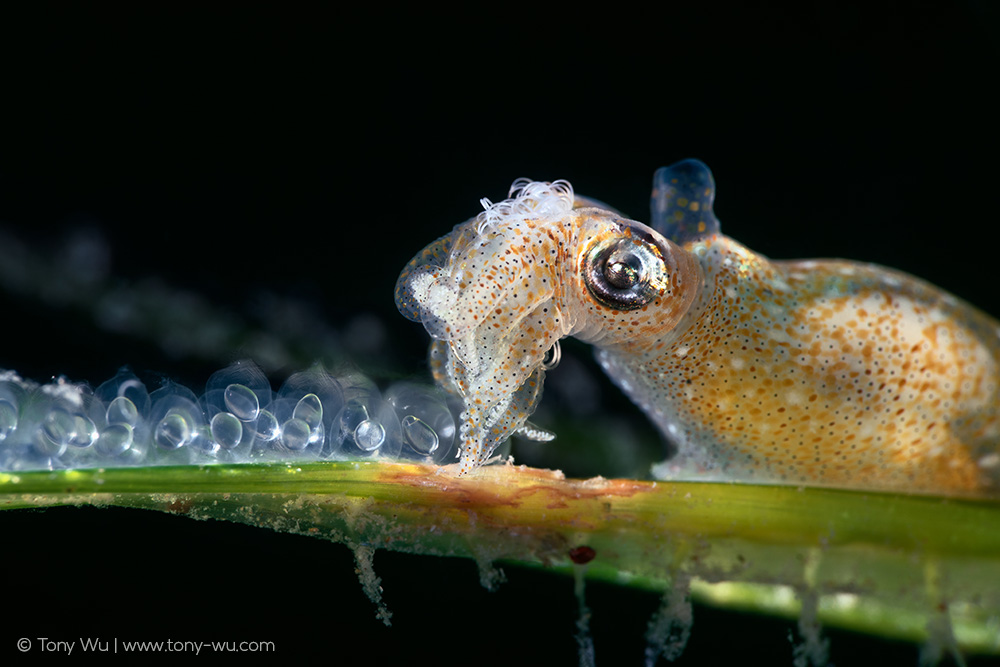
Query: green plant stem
[881,563]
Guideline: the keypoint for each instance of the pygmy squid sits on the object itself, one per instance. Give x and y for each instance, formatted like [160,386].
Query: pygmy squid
[817,372]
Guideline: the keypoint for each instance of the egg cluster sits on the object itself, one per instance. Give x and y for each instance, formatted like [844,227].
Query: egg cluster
[238,419]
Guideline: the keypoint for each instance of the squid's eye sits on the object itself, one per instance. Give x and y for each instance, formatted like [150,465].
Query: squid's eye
[625,273]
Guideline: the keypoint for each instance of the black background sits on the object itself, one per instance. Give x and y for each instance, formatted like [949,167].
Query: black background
[312,153]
